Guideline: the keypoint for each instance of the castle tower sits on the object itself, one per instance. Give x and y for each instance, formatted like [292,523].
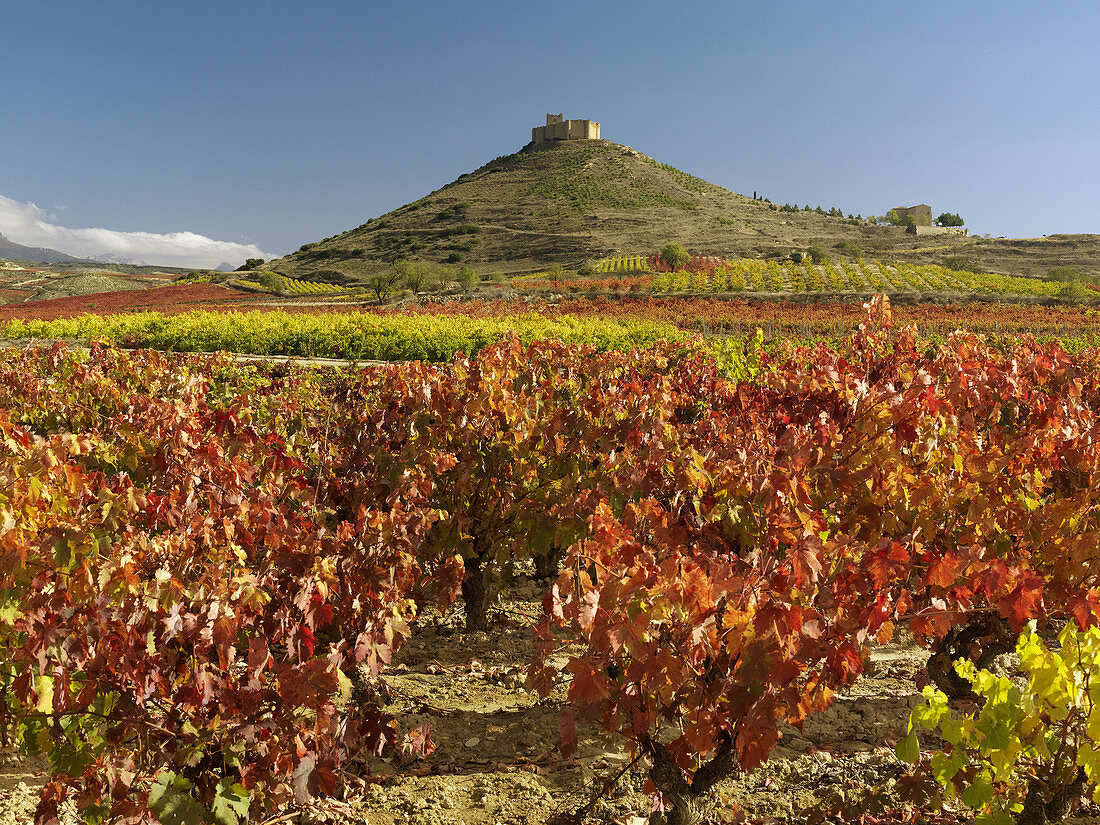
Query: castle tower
[557,128]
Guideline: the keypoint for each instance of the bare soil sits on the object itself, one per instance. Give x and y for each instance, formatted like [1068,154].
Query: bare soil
[496,761]
[496,758]
[20,779]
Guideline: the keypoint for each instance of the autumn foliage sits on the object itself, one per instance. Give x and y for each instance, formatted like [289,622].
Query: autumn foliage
[180,617]
[206,566]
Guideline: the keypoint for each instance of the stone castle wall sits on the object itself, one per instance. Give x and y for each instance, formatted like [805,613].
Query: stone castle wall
[558,129]
[937,230]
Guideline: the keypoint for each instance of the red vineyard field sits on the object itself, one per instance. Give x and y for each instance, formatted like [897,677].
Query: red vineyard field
[204,557]
[168,300]
[739,317]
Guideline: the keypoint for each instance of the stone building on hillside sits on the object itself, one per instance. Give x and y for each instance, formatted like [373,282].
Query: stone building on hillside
[558,129]
[922,221]
[922,213]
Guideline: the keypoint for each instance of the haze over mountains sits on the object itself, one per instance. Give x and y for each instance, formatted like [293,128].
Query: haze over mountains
[119,259]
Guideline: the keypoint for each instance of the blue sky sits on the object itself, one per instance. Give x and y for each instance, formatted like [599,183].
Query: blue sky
[261,126]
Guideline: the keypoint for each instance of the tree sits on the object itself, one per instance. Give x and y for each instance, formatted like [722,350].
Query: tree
[817,255]
[949,219]
[440,278]
[675,256]
[382,284]
[893,218]
[467,277]
[414,274]
[250,264]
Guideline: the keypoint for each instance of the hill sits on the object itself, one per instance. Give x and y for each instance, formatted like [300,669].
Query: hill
[37,254]
[574,201]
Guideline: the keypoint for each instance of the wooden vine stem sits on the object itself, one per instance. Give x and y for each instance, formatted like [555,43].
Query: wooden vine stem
[981,640]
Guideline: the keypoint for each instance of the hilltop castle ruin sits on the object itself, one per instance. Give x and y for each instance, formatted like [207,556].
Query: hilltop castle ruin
[558,129]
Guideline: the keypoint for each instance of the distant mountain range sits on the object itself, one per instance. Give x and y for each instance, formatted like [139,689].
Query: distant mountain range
[119,259]
[38,254]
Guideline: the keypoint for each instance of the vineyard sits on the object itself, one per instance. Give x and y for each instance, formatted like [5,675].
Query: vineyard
[169,299]
[351,335]
[273,282]
[709,273]
[434,331]
[209,568]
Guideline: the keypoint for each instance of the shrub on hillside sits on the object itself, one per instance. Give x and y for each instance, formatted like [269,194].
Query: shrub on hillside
[961,264]
[458,210]
[269,280]
[1066,273]
[1076,292]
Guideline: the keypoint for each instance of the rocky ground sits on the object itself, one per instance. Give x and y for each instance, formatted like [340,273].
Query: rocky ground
[495,760]
[20,779]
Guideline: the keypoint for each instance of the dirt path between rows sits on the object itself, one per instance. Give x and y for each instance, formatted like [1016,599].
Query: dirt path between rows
[496,758]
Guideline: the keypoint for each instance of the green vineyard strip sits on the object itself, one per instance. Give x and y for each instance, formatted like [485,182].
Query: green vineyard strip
[860,276]
[292,286]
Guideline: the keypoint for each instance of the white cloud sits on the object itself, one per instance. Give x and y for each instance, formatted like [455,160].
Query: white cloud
[29,225]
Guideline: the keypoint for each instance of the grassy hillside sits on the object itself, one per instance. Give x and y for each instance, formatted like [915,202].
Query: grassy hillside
[578,201]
